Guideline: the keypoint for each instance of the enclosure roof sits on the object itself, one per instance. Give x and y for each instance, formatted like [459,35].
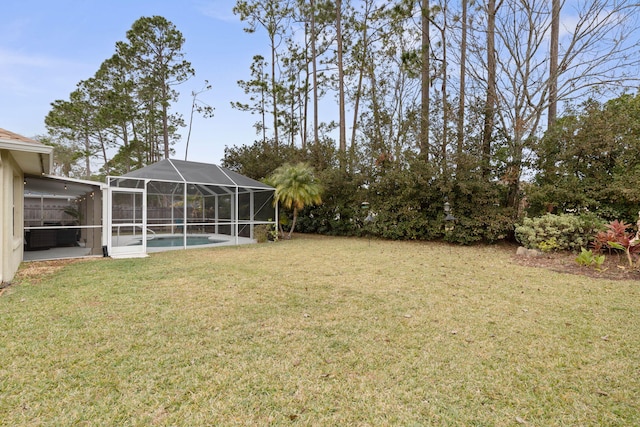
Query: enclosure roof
[59,185]
[194,172]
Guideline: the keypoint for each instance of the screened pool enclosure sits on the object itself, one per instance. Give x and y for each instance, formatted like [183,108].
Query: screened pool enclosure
[176,204]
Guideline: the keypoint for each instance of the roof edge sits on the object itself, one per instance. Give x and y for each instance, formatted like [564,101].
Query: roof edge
[36,148]
[29,147]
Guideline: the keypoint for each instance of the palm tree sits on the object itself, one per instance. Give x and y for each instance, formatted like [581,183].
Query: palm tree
[296,187]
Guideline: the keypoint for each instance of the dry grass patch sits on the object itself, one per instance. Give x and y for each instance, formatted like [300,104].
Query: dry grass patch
[320,331]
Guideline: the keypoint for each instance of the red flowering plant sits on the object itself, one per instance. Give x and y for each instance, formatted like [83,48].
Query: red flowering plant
[616,238]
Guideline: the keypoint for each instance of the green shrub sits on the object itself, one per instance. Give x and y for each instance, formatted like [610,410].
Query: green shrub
[265,232]
[550,245]
[261,233]
[558,232]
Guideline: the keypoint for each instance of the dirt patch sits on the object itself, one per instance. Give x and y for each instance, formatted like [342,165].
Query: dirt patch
[614,267]
[34,271]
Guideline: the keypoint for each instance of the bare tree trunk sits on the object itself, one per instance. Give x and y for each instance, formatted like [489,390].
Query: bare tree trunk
[343,132]
[274,95]
[103,148]
[165,120]
[553,63]
[303,129]
[193,108]
[424,111]
[263,111]
[361,72]
[292,127]
[293,222]
[87,155]
[376,110]
[356,105]
[463,73]
[490,104]
[445,106]
[314,70]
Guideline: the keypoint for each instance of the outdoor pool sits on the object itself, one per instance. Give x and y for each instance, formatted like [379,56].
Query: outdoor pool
[178,241]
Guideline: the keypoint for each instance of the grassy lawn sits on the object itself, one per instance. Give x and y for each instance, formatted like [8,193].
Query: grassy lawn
[319,331]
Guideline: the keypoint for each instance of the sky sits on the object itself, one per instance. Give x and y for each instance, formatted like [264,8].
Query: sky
[47,47]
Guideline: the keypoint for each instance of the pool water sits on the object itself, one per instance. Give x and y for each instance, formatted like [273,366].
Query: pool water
[173,241]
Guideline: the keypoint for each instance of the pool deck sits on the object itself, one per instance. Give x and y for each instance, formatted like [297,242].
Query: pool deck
[81,252]
[58,253]
[219,240]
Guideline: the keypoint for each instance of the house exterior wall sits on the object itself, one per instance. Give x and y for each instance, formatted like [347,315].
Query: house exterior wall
[12,216]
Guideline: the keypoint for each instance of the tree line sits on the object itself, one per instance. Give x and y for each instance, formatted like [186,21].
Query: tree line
[444,101]
[401,105]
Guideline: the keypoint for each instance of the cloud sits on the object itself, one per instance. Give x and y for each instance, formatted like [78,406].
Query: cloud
[16,59]
[24,74]
[221,10]
[567,26]
[17,71]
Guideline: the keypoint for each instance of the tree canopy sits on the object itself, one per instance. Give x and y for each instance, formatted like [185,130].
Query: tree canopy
[121,115]
[296,187]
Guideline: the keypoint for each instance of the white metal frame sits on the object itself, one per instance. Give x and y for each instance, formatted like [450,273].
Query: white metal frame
[126,250]
[140,250]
